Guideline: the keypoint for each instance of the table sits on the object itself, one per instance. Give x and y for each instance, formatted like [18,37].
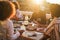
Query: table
[29,34]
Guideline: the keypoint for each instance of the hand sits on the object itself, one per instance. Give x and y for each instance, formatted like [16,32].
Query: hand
[17,32]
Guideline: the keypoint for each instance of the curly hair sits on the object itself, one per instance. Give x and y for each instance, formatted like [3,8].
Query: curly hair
[7,10]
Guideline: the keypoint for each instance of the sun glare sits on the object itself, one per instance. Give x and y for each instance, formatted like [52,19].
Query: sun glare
[54,1]
[38,1]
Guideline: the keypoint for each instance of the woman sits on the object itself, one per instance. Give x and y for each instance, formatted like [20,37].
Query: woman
[53,29]
[7,11]
[18,14]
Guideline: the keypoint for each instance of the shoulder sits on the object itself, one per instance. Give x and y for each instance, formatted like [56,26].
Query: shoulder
[58,20]
[8,21]
[18,10]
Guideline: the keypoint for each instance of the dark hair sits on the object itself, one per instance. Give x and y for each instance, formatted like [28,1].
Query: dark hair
[16,5]
[6,10]
[55,10]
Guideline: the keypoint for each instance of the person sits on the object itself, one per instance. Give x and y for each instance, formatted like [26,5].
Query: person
[18,14]
[53,29]
[39,16]
[7,10]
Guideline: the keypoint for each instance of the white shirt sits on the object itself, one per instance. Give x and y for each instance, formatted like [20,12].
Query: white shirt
[8,24]
[18,14]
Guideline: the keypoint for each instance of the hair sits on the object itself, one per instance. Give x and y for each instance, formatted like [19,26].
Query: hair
[55,10]
[16,5]
[7,10]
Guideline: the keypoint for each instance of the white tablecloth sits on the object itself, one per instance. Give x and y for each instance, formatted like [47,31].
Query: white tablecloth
[37,37]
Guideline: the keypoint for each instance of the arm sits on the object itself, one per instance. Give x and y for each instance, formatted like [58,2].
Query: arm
[10,28]
[50,27]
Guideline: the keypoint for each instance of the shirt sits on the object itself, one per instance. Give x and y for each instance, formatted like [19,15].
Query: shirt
[18,14]
[53,29]
[8,24]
